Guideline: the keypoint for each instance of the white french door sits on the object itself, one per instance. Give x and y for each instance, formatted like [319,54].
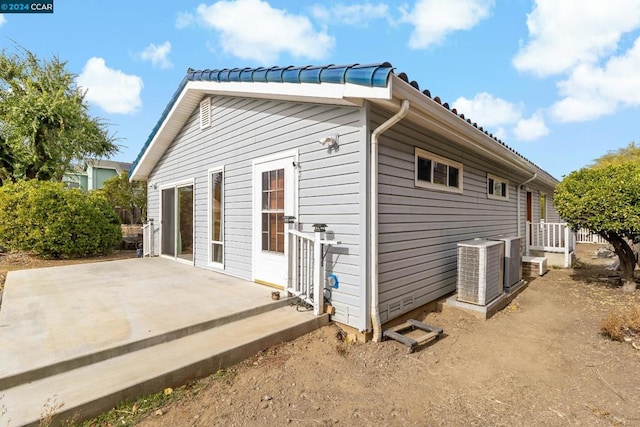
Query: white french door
[274,196]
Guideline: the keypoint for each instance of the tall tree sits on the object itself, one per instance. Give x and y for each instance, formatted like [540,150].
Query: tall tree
[44,121]
[606,200]
[128,196]
[621,155]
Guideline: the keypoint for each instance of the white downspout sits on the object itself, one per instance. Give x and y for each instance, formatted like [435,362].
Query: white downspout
[375,312]
[535,175]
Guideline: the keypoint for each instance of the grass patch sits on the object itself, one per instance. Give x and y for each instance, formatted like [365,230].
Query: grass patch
[131,412]
[619,325]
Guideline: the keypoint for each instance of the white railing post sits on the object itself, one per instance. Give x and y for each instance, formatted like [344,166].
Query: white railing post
[567,247]
[318,282]
[147,238]
[292,255]
[527,239]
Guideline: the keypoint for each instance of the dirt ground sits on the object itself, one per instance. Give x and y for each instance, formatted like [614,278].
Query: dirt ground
[541,361]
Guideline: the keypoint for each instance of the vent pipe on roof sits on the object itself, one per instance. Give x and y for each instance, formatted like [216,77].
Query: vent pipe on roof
[373,279]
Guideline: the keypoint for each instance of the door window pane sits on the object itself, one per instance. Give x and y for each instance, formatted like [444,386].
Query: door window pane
[185,222]
[273,211]
[168,222]
[217,215]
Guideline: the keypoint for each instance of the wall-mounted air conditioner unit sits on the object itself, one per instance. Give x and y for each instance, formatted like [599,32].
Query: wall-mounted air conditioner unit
[480,271]
[512,261]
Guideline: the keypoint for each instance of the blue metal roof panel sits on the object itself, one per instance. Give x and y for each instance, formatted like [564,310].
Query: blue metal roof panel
[372,75]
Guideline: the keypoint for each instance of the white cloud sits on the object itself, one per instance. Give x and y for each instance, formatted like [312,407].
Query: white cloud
[487,110]
[252,29]
[185,19]
[503,116]
[2,19]
[531,129]
[591,91]
[158,55]
[353,14]
[564,34]
[112,90]
[433,20]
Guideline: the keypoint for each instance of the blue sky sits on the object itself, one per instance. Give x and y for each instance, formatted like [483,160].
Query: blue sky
[557,80]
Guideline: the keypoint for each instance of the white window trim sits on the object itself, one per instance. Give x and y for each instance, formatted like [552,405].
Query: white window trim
[498,179]
[424,184]
[210,241]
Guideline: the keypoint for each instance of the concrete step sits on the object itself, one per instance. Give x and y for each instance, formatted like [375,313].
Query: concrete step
[92,389]
[35,373]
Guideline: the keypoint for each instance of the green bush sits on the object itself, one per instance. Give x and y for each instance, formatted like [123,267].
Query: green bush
[53,221]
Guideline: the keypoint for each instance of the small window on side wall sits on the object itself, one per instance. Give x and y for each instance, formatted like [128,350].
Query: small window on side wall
[497,188]
[437,173]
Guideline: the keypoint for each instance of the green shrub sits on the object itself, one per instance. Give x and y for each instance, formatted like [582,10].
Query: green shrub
[53,221]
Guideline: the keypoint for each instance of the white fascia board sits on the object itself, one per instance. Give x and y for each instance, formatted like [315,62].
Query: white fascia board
[322,93]
[188,99]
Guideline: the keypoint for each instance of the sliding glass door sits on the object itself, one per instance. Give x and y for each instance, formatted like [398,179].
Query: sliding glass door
[177,222]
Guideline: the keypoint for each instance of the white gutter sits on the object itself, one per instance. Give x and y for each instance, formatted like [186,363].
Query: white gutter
[535,175]
[375,311]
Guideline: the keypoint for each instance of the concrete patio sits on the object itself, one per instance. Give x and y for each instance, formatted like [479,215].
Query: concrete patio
[94,334]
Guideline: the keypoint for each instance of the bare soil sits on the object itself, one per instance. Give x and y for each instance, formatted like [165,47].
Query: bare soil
[540,361]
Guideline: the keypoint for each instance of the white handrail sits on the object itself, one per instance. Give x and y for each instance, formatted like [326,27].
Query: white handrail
[305,267]
[550,237]
[147,239]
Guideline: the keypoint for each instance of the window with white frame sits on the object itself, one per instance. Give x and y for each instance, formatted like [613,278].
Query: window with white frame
[497,188]
[438,173]
[216,215]
[543,207]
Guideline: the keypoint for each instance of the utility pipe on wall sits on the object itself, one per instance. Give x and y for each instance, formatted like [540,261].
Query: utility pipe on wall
[375,312]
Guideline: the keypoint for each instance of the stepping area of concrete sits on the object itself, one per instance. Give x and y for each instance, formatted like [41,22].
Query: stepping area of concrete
[92,335]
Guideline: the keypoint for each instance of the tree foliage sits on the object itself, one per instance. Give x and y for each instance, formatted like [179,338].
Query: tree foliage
[44,120]
[606,200]
[621,155]
[53,221]
[124,195]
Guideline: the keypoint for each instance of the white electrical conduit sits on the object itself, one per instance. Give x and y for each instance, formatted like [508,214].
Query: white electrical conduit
[375,311]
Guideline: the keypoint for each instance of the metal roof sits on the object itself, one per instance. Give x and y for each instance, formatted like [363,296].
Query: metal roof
[373,75]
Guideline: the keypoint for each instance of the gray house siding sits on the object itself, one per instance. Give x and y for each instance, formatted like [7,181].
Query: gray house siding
[419,227]
[328,188]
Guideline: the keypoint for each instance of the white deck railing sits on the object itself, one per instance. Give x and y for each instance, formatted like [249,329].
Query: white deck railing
[302,267]
[147,238]
[551,237]
[585,236]
[305,279]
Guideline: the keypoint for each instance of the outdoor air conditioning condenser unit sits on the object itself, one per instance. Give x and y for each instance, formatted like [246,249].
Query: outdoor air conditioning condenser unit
[480,271]
[512,261]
